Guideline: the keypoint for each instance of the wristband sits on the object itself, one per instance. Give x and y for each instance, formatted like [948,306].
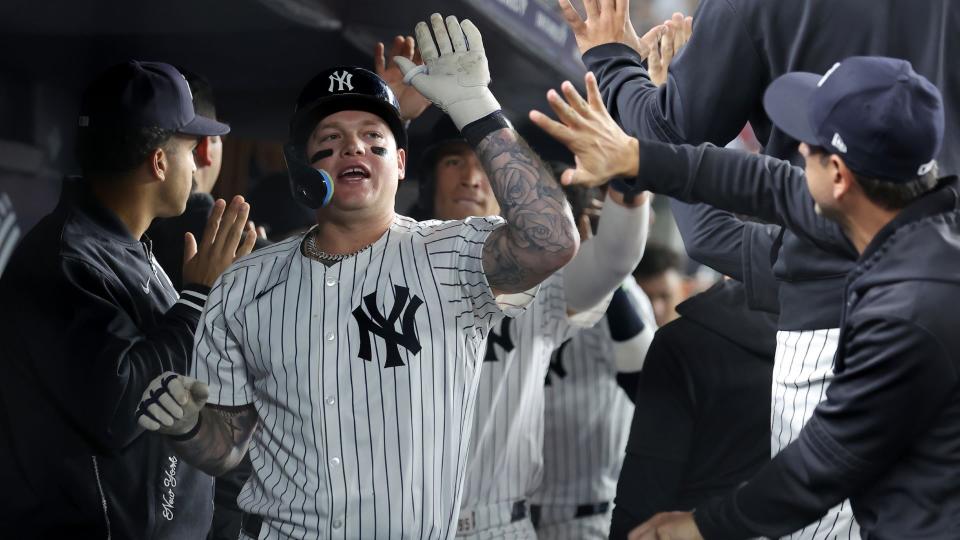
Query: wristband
[476,131]
[190,434]
[629,188]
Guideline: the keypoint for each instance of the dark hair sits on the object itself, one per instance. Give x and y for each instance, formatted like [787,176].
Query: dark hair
[888,194]
[203,102]
[112,151]
[657,259]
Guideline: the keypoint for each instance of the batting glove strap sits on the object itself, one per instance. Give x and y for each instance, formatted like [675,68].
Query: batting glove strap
[190,434]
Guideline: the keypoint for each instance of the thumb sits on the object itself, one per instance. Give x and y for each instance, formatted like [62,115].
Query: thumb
[198,391]
[406,66]
[189,247]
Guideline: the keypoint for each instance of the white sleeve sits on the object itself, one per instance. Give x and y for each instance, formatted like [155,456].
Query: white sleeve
[605,260]
[218,358]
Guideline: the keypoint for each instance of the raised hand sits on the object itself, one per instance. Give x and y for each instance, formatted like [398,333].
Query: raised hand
[601,149]
[664,42]
[455,74]
[171,404]
[412,103]
[227,237]
[668,525]
[607,21]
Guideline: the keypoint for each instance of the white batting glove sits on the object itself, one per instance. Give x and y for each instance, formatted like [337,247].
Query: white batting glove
[171,404]
[455,78]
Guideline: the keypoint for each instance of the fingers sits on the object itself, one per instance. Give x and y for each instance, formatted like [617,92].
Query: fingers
[666,46]
[428,50]
[189,247]
[213,224]
[457,39]
[553,128]
[573,98]
[568,177]
[440,33]
[687,29]
[593,9]
[411,47]
[249,240]
[571,16]
[678,33]
[148,423]
[405,66]
[622,9]
[379,62]
[199,391]
[565,113]
[235,228]
[583,226]
[261,232]
[651,37]
[472,33]
[170,406]
[593,92]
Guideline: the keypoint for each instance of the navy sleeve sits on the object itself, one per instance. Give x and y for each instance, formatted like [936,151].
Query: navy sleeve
[767,188]
[714,85]
[105,360]
[660,438]
[711,237]
[852,437]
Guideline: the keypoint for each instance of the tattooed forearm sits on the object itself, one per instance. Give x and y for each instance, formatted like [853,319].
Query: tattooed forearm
[222,441]
[540,236]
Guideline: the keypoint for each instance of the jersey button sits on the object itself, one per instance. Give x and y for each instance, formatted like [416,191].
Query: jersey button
[330,400]
[337,524]
[335,462]
[331,336]
[331,281]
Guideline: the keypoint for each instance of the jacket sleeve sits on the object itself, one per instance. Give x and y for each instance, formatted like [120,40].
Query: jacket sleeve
[852,437]
[760,186]
[104,360]
[711,237]
[714,84]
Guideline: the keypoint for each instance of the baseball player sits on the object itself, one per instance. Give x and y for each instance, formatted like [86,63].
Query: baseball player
[505,461]
[350,355]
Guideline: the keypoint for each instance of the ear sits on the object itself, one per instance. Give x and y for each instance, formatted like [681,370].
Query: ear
[158,161]
[202,152]
[402,163]
[843,177]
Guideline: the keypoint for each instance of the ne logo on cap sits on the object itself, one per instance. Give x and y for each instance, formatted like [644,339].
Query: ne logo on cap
[828,74]
[341,79]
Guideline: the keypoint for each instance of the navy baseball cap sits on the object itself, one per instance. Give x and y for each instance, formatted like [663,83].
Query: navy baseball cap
[143,95]
[885,120]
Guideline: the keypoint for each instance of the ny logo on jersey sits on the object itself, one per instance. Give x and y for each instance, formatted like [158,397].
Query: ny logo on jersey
[384,327]
[502,339]
[341,79]
[556,364]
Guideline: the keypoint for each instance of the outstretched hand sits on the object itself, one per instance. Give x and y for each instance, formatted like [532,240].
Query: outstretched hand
[664,42]
[607,21]
[601,149]
[412,102]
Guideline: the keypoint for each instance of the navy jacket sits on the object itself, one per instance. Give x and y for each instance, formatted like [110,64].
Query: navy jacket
[88,320]
[888,434]
[716,84]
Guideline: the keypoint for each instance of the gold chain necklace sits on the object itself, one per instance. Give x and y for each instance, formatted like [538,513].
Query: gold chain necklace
[311,250]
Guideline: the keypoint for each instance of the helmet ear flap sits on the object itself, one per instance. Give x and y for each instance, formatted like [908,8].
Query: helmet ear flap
[310,187]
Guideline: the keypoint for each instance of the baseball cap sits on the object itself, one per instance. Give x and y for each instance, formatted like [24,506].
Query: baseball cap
[137,94]
[885,120]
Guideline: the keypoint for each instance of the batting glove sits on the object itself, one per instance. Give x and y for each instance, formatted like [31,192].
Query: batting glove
[171,404]
[454,75]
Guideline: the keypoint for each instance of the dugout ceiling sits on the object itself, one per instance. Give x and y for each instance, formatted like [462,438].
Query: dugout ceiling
[257,53]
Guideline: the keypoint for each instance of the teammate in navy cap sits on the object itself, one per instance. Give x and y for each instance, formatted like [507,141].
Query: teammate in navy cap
[90,318]
[887,434]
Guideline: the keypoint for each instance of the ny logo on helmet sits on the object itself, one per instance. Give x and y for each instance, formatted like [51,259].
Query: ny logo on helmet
[341,79]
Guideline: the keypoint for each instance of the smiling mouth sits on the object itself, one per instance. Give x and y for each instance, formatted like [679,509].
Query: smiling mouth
[353,174]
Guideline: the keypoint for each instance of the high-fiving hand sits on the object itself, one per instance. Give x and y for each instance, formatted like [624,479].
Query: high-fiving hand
[608,21]
[227,237]
[601,149]
[663,43]
[455,74]
[412,103]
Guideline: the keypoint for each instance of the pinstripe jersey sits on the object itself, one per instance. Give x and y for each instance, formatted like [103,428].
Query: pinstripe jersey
[506,453]
[363,374]
[802,370]
[587,417]
[9,231]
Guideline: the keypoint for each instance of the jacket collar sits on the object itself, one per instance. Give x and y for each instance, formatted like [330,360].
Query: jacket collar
[942,199]
[78,196]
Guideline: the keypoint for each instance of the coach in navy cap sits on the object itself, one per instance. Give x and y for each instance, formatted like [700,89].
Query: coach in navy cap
[89,318]
[887,436]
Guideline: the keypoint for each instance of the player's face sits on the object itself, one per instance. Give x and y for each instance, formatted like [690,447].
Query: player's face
[462,186]
[359,151]
[665,291]
[178,175]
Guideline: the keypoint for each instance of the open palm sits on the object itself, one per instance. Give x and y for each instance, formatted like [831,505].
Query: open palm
[412,103]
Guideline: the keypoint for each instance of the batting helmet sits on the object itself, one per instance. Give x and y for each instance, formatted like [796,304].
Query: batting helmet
[334,90]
